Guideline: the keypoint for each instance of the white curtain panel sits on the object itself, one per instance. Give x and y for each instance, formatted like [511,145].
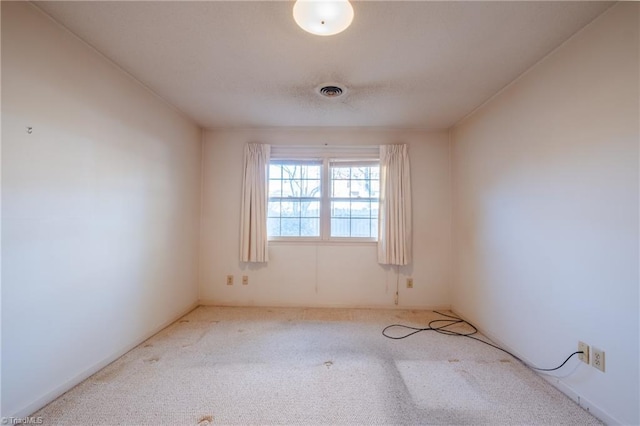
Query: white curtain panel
[394,221]
[253,217]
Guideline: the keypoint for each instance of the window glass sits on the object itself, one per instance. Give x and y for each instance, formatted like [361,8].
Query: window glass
[298,207]
[355,192]
[293,188]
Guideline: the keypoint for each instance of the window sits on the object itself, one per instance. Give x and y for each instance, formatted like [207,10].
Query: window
[323,198]
[294,198]
[355,190]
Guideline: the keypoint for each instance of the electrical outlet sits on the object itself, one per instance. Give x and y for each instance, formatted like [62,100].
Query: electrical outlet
[409,282]
[229,279]
[597,360]
[245,280]
[584,356]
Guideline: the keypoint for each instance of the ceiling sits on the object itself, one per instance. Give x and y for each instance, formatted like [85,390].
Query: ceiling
[411,64]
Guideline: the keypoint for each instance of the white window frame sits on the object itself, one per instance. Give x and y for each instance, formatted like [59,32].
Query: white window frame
[347,163]
[301,161]
[352,156]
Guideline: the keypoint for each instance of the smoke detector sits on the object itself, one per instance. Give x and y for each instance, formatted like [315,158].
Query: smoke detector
[331,91]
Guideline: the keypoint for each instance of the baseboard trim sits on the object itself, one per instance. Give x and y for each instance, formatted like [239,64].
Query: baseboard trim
[556,382]
[580,400]
[65,387]
[208,302]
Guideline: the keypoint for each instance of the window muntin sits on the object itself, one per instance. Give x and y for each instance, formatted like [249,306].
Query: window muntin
[299,207]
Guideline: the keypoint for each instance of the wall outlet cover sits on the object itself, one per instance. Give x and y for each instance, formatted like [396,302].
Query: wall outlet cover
[584,357]
[597,359]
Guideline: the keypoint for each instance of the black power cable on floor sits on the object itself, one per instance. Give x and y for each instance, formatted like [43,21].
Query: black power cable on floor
[453,320]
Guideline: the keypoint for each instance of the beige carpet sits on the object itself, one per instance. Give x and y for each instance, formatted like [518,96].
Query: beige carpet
[311,366]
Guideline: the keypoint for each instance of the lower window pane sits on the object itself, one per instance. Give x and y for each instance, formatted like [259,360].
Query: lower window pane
[340,227]
[273,226]
[290,209]
[360,227]
[309,227]
[310,209]
[340,209]
[274,208]
[290,227]
[374,228]
[361,209]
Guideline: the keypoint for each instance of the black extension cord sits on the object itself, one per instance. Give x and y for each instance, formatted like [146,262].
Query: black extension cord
[453,320]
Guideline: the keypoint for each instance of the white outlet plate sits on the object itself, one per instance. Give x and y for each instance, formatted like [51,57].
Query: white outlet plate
[584,357]
[597,359]
[229,279]
[409,282]
[245,280]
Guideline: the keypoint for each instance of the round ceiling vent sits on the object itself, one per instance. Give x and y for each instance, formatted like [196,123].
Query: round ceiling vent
[331,91]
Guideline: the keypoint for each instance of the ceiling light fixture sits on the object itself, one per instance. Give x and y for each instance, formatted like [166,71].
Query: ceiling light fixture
[323,17]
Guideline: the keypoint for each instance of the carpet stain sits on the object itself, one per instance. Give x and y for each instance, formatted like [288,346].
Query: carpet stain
[205,420]
[454,360]
[148,345]
[152,360]
[241,331]
[505,360]
[184,320]
[197,340]
[328,364]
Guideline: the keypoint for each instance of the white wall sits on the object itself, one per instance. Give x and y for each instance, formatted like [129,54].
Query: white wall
[100,210]
[325,274]
[545,208]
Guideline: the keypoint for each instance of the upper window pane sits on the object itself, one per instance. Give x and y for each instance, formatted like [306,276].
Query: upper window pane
[275,187]
[340,189]
[295,180]
[275,171]
[361,173]
[340,172]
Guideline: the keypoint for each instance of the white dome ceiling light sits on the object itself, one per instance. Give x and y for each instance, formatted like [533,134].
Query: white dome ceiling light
[323,17]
